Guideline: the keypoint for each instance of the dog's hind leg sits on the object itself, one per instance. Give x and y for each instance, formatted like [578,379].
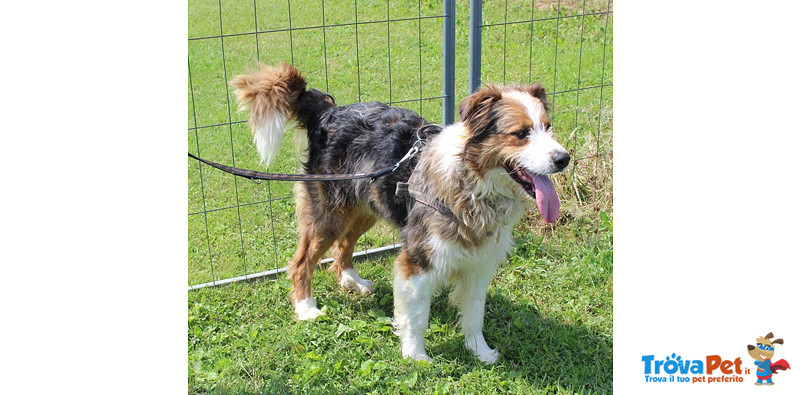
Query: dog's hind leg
[319,228]
[301,270]
[343,255]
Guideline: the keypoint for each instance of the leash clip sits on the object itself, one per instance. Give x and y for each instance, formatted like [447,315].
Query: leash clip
[410,154]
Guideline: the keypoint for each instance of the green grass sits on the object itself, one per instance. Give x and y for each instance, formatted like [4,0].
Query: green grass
[549,308]
[548,312]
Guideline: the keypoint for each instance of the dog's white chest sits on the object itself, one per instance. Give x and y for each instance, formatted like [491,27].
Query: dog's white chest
[451,257]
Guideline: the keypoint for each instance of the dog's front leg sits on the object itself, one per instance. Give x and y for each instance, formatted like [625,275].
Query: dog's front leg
[469,294]
[412,306]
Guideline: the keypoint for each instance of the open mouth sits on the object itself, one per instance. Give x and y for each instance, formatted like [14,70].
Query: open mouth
[762,356]
[540,188]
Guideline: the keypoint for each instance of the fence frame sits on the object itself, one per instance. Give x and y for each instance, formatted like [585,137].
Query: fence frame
[475,35]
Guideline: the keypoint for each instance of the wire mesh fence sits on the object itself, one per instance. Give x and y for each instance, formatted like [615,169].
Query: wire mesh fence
[389,51]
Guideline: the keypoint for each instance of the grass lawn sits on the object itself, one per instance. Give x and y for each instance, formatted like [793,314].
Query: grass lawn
[549,306]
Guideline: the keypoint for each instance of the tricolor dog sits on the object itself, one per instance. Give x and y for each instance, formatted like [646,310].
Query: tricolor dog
[471,180]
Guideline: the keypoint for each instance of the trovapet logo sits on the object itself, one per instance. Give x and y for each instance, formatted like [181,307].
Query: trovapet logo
[710,369]
[675,368]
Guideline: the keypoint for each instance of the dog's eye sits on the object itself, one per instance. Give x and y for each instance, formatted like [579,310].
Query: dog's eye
[547,126]
[521,133]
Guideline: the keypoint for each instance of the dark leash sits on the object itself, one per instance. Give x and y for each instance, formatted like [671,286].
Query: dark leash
[257,175]
[403,189]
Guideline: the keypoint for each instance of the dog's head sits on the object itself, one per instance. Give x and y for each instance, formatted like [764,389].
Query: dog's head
[508,128]
[764,348]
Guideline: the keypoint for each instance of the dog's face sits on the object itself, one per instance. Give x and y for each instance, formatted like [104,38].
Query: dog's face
[508,128]
[764,348]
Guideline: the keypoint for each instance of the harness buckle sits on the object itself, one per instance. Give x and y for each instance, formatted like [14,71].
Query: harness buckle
[402,189]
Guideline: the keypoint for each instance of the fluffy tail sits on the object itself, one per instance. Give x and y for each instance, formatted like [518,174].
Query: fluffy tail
[272,94]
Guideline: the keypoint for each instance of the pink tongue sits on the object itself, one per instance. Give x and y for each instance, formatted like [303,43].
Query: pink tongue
[546,197]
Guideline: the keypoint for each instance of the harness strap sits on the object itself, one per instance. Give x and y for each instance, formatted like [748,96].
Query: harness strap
[408,191]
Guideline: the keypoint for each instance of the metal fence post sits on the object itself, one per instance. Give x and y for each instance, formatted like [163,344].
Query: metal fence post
[449,62]
[475,8]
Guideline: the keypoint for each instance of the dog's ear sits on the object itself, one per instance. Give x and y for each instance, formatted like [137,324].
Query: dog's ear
[476,109]
[769,336]
[537,91]
[777,341]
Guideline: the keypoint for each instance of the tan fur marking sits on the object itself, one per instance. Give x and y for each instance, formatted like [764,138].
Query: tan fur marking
[269,90]
[512,116]
[404,265]
[343,252]
[476,109]
[544,119]
[319,229]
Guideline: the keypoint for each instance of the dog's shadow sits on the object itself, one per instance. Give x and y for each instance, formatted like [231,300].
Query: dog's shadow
[544,352]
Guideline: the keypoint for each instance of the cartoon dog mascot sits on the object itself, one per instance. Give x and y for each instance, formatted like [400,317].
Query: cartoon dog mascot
[762,352]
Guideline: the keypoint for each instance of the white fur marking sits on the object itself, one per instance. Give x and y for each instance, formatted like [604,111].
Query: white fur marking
[450,143]
[352,281]
[470,272]
[533,109]
[537,155]
[469,294]
[412,306]
[268,136]
[306,309]
[496,183]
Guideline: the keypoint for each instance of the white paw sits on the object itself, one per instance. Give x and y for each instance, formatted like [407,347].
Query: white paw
[489,357]
[365,286]
[352,281]
[309,315]
[419,357]
[307,310]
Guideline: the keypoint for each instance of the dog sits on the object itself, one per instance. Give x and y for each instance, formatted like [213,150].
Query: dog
[471,178]
[763,352]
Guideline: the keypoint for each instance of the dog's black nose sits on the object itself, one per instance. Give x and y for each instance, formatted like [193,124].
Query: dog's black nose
[561,159]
